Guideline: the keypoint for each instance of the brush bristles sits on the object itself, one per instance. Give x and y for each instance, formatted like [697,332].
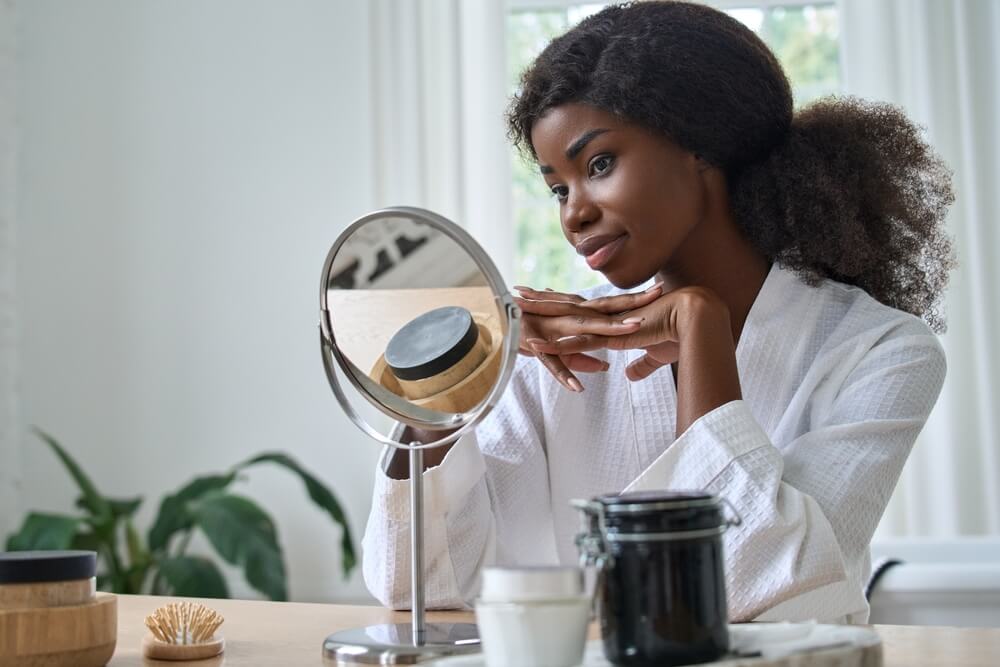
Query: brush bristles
[183,623]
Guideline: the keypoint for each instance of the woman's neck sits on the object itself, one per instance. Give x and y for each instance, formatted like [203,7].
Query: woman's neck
[717,256]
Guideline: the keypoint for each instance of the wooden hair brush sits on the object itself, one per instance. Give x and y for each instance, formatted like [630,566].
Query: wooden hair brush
[183,631]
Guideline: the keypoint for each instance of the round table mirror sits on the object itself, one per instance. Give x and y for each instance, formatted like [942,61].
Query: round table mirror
[415,320]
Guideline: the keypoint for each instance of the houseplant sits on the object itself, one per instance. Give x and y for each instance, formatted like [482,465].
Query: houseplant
[240,531]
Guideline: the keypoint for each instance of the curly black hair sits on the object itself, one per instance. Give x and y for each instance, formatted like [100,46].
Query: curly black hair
[843,189]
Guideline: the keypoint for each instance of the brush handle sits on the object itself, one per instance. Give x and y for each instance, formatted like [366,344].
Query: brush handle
[157,650]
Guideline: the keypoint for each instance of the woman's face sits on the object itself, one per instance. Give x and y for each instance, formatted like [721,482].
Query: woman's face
[628,198]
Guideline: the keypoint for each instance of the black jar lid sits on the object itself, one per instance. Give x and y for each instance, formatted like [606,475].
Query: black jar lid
[656,513]
[431,343]
[30,567]
[641,502]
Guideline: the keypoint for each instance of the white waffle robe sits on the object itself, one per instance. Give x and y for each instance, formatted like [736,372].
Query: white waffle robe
[835,388]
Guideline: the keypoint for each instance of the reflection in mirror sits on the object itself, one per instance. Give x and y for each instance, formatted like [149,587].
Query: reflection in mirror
[411,310]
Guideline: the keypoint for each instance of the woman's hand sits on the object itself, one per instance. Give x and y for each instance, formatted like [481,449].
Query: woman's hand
[662,319]
[690,326]
[571,318]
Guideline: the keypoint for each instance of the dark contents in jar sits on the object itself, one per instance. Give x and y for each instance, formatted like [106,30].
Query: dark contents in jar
[663,601]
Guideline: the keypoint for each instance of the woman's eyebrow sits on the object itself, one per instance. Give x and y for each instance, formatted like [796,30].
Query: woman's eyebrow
[577,146]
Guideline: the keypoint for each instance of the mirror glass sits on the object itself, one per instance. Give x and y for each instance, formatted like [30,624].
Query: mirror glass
[415,319]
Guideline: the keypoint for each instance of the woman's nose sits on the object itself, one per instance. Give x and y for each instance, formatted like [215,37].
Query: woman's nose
[578,212]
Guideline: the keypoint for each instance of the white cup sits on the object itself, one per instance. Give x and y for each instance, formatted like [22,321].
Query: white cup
[533,617]
[524,584]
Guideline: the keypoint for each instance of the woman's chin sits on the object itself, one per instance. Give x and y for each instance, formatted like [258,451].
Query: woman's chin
[624,279]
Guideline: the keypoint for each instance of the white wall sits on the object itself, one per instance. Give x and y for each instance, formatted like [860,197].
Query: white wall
[184,167]
[9,444]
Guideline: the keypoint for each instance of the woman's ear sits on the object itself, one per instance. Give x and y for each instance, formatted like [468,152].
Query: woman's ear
[703,165]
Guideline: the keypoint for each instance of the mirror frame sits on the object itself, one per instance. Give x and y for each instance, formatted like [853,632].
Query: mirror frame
[384,400]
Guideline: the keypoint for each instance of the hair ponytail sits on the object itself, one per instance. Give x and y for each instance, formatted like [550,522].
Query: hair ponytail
[854,194]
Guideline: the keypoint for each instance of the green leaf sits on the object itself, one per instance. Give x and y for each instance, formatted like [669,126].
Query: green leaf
[93,501]
[192,576]
[245,536]
[321,495]
[120,509]
[138,558]
[175,515]
[134,578]
[137,553]
[44,532]
[87,541]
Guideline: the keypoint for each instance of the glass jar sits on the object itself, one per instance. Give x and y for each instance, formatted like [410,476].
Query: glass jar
[661,588]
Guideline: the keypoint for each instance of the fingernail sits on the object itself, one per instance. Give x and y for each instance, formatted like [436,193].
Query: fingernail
[634,320]
[548,289]
[655,287]
[535,341]
[575,385]
[606,366]
[522,288]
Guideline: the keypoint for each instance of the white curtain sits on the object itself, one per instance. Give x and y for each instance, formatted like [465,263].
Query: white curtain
[939,60]
[439,91]
[9,450]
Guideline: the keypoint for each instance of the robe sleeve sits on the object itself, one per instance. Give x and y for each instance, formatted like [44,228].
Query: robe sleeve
[809,507]
[462,504]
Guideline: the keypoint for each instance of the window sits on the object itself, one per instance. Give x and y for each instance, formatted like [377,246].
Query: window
[804,36]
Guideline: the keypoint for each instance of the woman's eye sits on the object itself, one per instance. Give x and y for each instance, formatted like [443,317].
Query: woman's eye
[560,192]
[601,165]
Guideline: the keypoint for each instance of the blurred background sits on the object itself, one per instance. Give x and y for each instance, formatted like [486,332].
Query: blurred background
[172,174]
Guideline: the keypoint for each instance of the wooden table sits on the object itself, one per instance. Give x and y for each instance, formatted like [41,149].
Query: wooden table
[291,633]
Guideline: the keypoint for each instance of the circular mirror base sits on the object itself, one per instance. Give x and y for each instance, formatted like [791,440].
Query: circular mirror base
[394,645]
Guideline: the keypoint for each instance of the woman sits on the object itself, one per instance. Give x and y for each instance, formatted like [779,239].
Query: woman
[792,255]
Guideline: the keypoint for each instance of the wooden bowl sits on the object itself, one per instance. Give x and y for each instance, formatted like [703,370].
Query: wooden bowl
[82,635]
[467,393]
[47,594]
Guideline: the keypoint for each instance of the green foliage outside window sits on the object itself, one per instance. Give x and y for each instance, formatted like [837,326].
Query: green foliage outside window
[805,39]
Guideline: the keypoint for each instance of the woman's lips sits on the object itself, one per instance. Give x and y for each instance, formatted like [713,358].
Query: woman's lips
[600,250]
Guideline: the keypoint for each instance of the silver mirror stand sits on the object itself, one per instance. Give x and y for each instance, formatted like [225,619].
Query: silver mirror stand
[402,644]
[417,543]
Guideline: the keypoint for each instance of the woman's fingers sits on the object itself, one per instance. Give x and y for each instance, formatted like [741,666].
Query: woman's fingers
[547,295]
[584,363]
[542,302]
[559,371]
[556,319]
[569,344]
[581,363]
[643,367]
[551,307]
[621,303]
